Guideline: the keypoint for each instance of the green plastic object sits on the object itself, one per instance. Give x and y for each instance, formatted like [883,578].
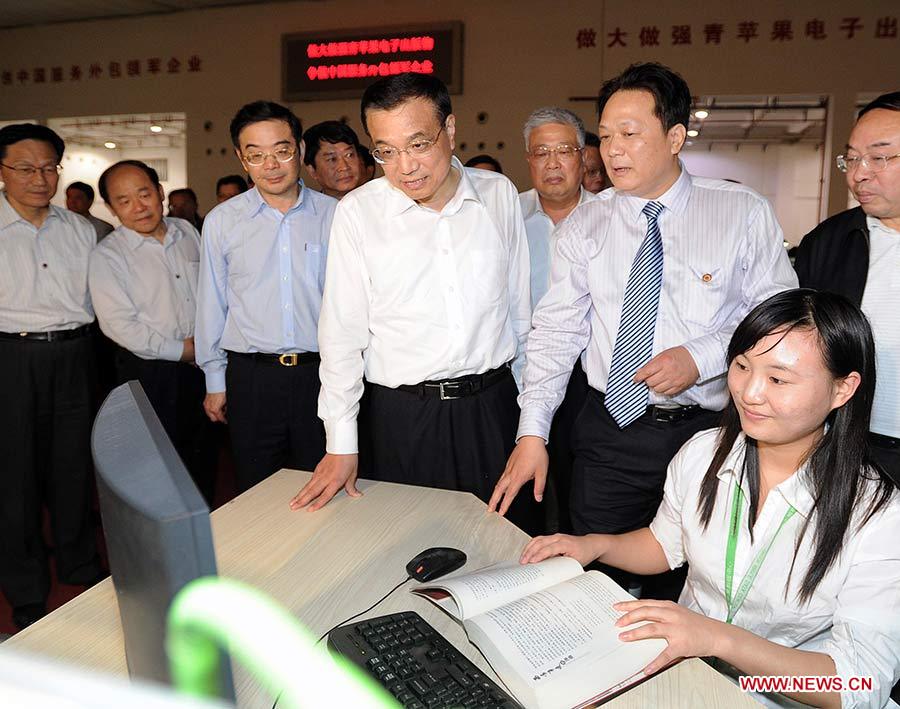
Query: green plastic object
[211,613]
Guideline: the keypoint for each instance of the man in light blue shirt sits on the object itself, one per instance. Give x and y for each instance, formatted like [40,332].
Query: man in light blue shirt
[143,280]
[47,375]
[554,148]
[262,273]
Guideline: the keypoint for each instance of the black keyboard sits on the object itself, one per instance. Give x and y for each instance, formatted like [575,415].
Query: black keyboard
[417,664]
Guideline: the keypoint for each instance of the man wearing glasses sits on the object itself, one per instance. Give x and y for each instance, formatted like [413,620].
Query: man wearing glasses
[47,375]
[427,296]
[857,253]
[554,145]
[331,157]
[262,270]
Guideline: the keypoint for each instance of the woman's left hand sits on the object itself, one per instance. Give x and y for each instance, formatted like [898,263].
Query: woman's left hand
[689,634]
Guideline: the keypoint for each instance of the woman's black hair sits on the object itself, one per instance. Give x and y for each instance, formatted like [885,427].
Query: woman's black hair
[839,464]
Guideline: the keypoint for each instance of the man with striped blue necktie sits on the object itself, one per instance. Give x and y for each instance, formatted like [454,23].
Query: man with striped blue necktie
[650,280]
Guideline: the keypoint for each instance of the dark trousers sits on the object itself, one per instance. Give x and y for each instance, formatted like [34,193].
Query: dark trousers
[562,457]
[272,417]
[460,444]
[45,458]
[619,474]
[886,452]
[176,391]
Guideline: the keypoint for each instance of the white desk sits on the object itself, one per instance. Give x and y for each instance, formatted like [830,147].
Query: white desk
[327,565]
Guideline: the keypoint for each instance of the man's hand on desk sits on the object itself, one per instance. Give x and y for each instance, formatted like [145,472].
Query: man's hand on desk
[528,460]
[331,474]
[670,372]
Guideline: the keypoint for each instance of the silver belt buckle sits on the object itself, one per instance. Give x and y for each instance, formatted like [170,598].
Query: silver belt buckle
[446,397]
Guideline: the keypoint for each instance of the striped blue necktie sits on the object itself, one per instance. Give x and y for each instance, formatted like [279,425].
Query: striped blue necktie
[625,400]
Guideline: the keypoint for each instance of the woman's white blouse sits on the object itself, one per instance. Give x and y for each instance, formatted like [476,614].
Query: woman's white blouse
[854,614]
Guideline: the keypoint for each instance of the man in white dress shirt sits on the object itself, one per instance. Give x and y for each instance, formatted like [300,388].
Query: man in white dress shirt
[426,294]
[857,253]
[47,375]
[554,147]
[143,281]
[651,277]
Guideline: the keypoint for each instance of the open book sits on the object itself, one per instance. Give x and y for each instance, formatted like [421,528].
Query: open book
[548,629]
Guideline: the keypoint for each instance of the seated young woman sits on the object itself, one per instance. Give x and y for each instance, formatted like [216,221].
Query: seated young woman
[790,532]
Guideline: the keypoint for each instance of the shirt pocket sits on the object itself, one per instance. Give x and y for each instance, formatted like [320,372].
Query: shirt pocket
[312,254]
[704,294]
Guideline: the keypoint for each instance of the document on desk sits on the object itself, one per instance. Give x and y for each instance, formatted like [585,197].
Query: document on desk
[548,629]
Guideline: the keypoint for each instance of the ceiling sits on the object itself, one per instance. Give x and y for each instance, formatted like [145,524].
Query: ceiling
[42,12]
[760,119]
[126,131]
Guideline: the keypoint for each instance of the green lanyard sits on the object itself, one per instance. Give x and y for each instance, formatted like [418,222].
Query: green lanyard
[734,604]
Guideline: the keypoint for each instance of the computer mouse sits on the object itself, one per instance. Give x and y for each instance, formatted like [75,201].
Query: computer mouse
[434,563]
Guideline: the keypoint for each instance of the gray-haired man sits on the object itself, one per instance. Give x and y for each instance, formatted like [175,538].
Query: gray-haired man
[554,144]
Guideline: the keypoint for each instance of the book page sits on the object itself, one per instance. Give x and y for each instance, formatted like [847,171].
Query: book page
[561,643]
[497,584]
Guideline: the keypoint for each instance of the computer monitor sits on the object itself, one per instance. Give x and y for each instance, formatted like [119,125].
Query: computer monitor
[156,525]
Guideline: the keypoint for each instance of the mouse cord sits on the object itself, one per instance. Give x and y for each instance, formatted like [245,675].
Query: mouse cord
[322,637]
[347,620]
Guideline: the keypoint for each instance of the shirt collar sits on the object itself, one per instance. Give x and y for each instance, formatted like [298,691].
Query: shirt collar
[257,203]
[795,490]
[135,240]
[465,190]
[8,215]
[673,199]
[875,224]
[533,202]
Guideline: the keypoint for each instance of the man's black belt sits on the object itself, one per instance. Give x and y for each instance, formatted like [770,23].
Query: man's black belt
[288,359]
[884,441]
[673,414]
[52,336]
[459,387]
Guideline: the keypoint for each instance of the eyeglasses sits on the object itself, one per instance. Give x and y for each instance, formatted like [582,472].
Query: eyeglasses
[26,172]
[875,163]
[563,151]
[257,157]
[417,148]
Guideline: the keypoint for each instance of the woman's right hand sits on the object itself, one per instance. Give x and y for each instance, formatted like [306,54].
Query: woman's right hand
[583,549]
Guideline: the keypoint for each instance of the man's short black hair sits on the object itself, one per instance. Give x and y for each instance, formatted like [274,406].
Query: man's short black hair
[187,191]
[671,95]
[329,131]
[259,111]
[235,180]
[591,140]
[104,177]
[392,91]
[889,102]
[18,132]
[484,158]
[84,188]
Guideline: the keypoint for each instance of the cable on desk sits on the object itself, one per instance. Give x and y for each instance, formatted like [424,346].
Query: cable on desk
[408,578]
[352,617]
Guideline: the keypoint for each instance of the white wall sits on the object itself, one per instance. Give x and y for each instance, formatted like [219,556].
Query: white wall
[789,176]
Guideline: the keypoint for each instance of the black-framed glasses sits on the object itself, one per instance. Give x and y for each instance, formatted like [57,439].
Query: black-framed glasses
[875,163]
[258,157]
[26,172]
[417,148]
